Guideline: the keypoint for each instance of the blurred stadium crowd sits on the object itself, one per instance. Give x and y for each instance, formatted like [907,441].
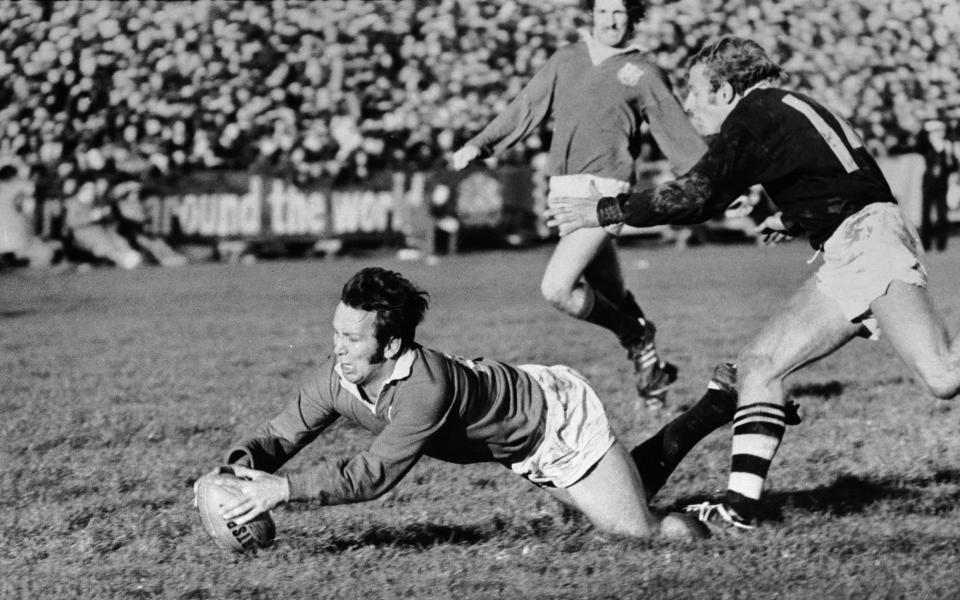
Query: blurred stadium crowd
[339,89]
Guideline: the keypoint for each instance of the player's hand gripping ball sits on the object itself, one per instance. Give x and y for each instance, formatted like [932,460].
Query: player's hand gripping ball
[258,533]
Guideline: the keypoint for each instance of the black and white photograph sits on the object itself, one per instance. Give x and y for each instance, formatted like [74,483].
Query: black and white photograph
[479,299]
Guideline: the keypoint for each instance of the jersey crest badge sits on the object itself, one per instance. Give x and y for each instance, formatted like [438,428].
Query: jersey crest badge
[629,74]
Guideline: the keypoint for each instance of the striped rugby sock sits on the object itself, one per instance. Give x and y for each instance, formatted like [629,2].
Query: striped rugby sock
[757,431]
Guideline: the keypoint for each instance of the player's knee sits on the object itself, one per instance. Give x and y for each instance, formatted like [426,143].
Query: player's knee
[941,381]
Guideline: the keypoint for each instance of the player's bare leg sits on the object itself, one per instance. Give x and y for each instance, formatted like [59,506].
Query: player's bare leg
[612,496]
[810,327]
[562,285]
[908,319]
[583,279]
[605,275]
[652,374]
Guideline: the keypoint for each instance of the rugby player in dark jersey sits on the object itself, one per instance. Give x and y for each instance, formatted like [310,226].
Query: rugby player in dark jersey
[826,186]
[545,424]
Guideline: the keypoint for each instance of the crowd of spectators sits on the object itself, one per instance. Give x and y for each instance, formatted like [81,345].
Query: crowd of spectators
[93,90]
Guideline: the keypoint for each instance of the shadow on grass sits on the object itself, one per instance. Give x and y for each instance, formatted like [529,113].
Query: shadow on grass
[937,494]
[829,389]
[416,535]
[426,535]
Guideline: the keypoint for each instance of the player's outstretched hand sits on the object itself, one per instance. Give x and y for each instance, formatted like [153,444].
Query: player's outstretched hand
[464,156]
[261,491]
[570,214]
[773,230]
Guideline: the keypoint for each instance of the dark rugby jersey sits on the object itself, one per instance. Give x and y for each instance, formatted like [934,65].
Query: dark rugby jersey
[433,404]
[811,163]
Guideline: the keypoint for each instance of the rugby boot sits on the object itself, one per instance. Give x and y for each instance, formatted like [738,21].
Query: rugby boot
[719,518]
[725,378]
[652,375]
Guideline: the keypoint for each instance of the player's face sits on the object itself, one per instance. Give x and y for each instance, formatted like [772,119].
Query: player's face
[360,356]
[610,23]
[707,108]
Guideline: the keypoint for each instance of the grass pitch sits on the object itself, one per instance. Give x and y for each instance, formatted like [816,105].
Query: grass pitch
[120,388]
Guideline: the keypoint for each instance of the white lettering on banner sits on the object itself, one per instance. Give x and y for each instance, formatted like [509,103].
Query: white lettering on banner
[219,214]
[189,223]
[249,217]
[228,215]
[408,205]
[401,208]
[365,211]
[293,212]
[161,211]
[194,215]
[315,215]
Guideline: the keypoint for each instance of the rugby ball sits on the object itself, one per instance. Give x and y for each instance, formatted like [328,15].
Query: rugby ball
[258,533]
[682,527]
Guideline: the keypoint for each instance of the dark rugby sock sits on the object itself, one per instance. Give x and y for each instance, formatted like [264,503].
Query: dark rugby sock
[607,315]
[658,456]
[629,305]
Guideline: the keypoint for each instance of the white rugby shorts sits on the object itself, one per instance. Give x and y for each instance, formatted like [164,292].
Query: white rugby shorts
[870,250]
[576,432]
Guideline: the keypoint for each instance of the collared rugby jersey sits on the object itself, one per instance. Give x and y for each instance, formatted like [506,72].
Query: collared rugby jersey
[810,162]
[434,404]
[598,111]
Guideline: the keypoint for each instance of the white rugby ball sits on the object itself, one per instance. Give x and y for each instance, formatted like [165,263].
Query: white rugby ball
[257,533]
[682,527]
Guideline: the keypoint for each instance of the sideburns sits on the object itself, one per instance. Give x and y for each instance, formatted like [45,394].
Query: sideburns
[379,355]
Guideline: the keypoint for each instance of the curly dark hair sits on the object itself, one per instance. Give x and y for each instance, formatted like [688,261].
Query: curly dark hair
[740,62]
[636,9]
[400,306]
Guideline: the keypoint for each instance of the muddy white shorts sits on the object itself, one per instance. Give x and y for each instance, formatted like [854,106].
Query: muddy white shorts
[870,250]
[576,432]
